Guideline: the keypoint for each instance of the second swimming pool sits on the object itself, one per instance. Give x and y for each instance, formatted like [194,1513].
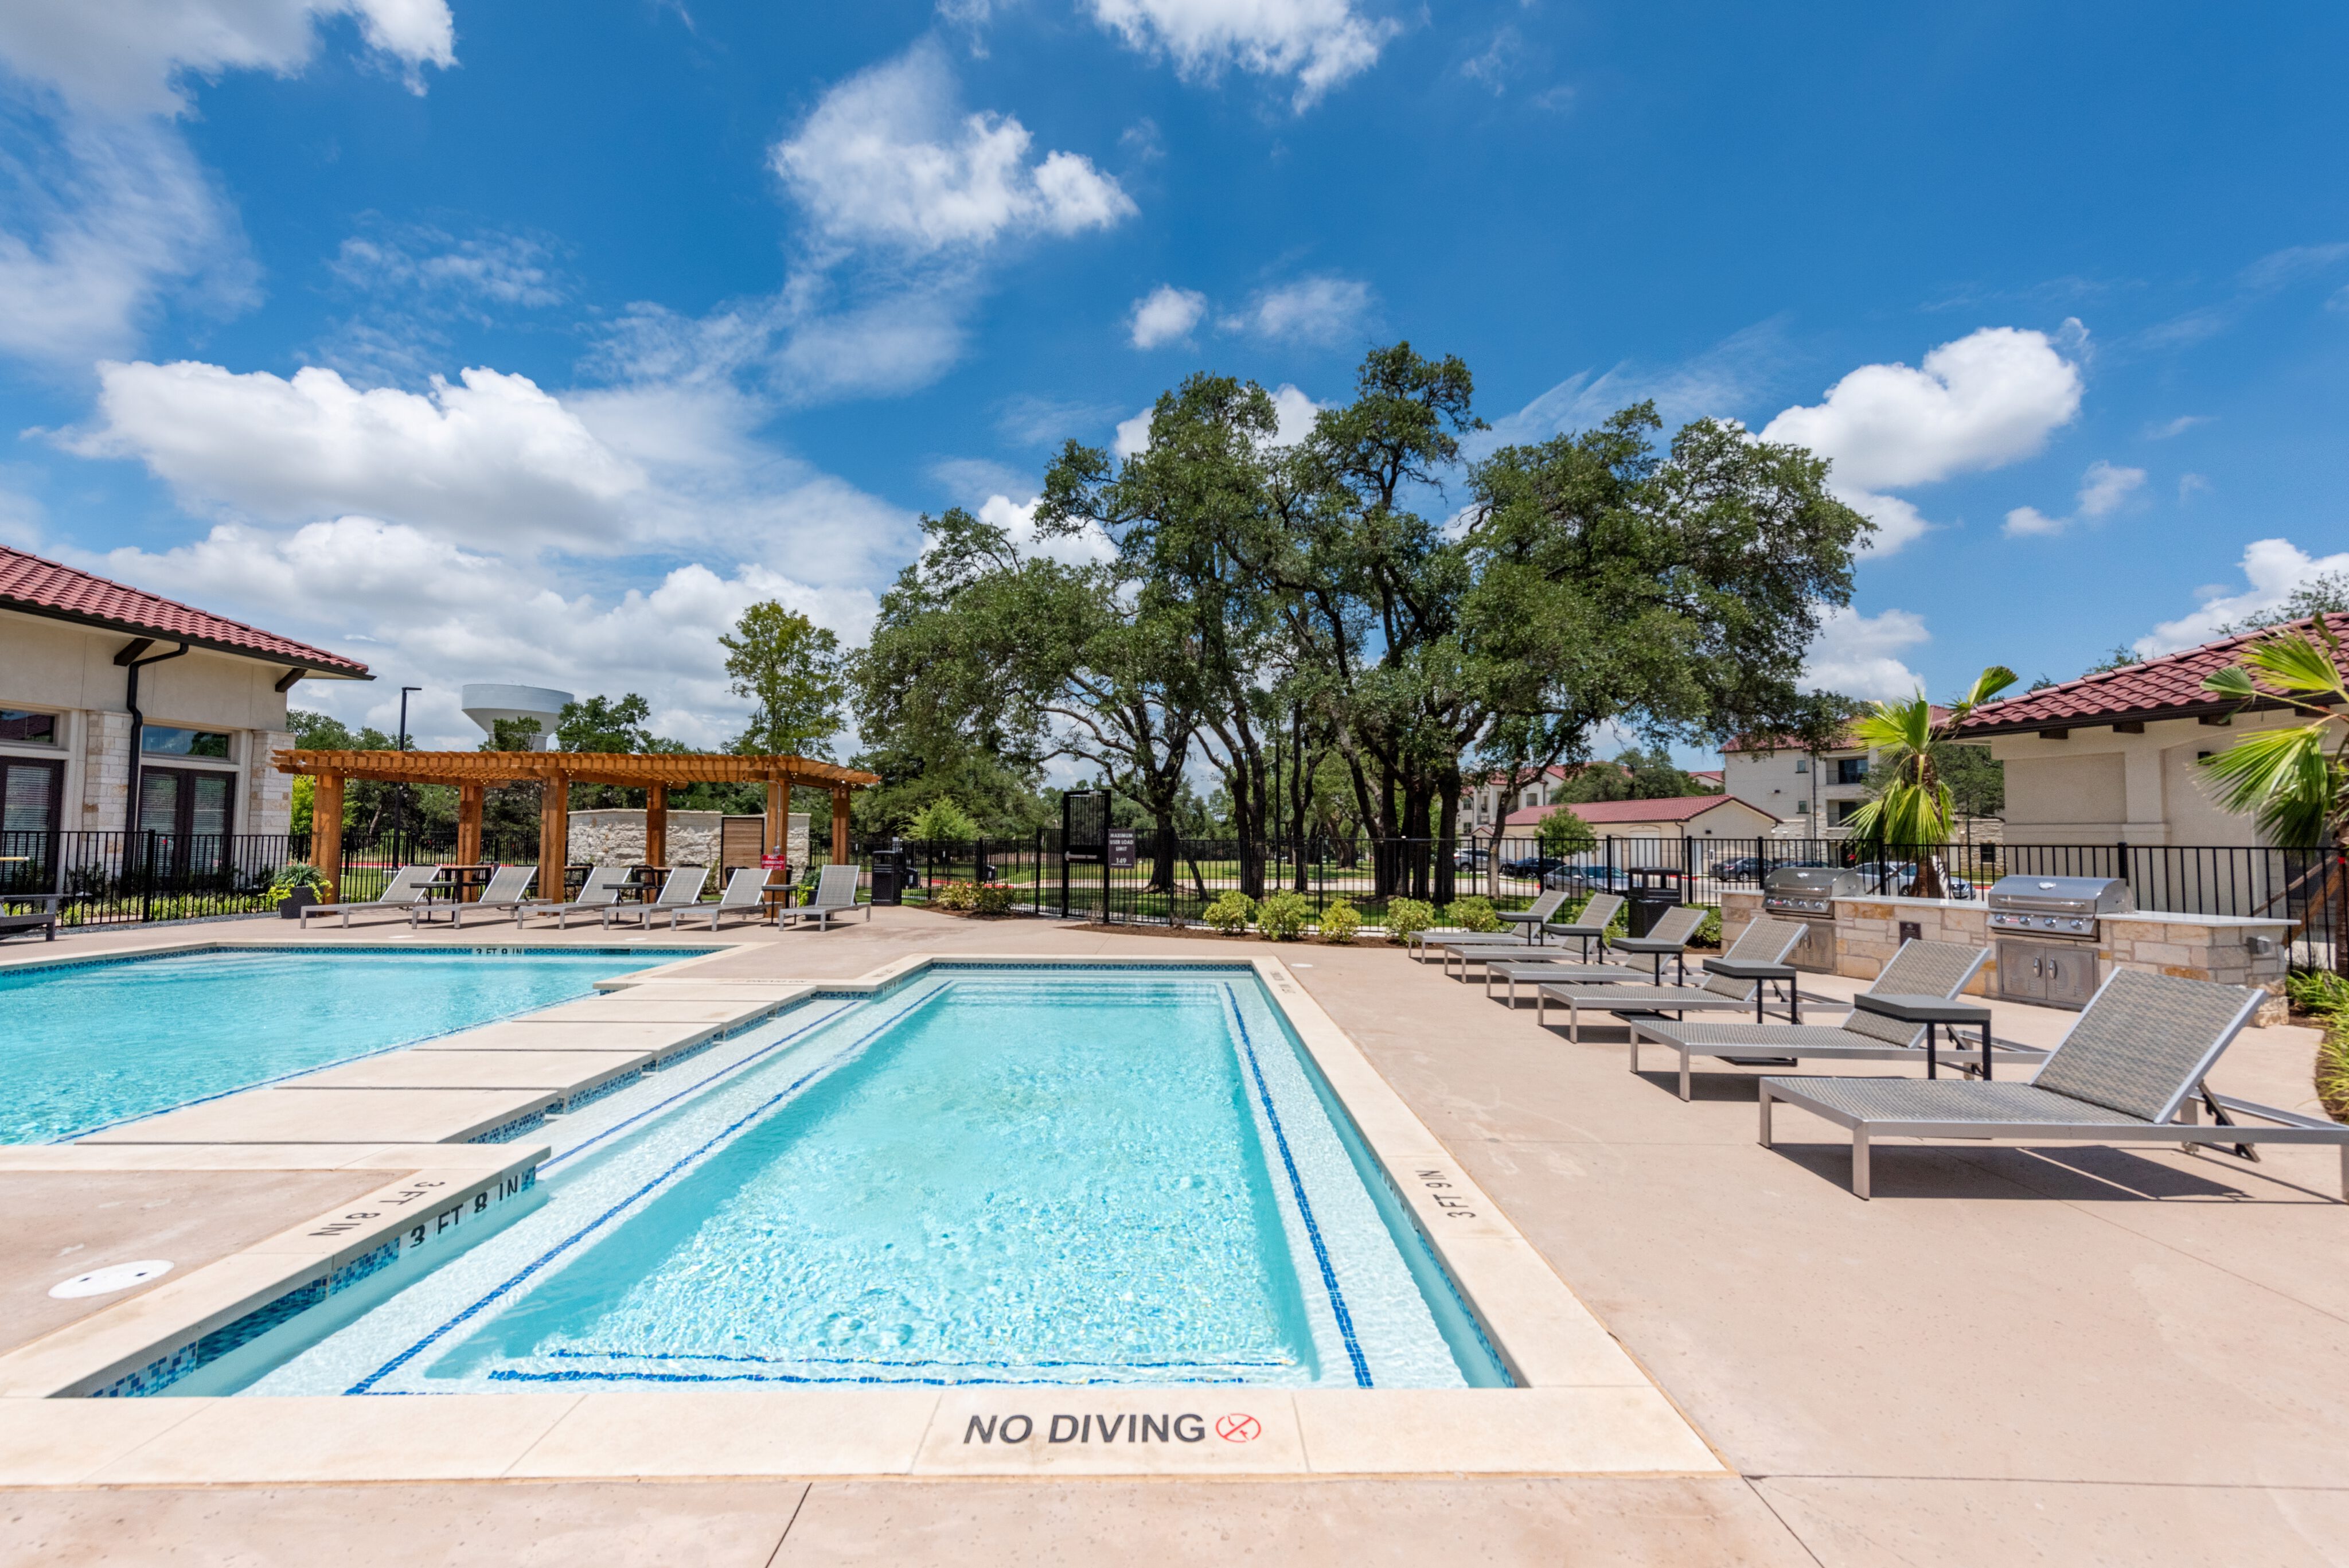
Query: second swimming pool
[986,1175]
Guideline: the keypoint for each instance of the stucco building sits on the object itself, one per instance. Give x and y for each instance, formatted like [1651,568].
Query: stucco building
[123,709]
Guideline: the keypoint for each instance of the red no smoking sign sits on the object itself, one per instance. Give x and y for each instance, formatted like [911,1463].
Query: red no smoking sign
[1237,1428]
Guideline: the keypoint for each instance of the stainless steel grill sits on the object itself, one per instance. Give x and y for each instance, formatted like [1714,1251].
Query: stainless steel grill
[2057,909]
[1809,891]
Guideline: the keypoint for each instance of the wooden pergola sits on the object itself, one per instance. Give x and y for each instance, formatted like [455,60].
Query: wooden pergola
[471,773]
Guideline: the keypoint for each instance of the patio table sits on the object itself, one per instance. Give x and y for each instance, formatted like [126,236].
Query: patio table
[1742,969]
[458,884]
[1932,1011]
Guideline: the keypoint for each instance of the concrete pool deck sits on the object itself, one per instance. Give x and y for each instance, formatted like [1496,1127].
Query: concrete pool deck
[2010,1355]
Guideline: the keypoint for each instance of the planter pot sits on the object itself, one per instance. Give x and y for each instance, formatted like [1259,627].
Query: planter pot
[299,900]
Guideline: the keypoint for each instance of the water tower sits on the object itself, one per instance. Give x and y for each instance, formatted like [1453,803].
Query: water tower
[485,705]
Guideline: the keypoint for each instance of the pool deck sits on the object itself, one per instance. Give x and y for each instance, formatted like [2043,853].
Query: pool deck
[2010,1356]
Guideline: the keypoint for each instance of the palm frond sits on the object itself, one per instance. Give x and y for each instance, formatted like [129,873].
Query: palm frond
[2234,682]
[1993,679]
[2292,663]
[2285,780]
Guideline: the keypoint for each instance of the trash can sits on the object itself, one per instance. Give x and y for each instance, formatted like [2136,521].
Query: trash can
[1643,905]
[888,876]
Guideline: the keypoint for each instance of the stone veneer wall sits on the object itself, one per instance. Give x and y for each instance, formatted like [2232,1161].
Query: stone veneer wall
[104,771]
[269,795]
[617,838]
[1867,934]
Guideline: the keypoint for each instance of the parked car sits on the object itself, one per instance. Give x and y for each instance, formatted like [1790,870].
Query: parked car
[1471,857]
[1744,868]
[1533,867]
[1889,876]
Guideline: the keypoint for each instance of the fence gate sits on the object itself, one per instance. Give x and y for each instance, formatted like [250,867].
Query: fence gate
[1084,838]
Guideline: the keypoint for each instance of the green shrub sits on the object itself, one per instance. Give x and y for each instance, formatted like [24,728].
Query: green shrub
[1282,915]
[1708,933]
[1474,913]
[299,874]
[958,896]
[942,821]
[2333,1068]
[1406,917]
[1339,923]
[2318,992]
[992,898]
[1229,913]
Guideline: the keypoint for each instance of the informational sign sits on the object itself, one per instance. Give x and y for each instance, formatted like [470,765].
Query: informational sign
[773,860]
[1121,847]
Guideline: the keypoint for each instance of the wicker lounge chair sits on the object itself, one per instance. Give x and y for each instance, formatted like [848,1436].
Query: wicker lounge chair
[1668,933]
[1764,942]
[835,893]
[507,891]
[406,889]
[1918,969]
[745,894]
[599,892]
[2129,1071]
[680,889]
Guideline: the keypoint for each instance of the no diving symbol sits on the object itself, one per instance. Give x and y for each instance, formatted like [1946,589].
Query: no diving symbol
[1237,1428]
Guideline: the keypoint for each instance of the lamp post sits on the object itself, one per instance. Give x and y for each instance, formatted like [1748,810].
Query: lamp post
[403,746]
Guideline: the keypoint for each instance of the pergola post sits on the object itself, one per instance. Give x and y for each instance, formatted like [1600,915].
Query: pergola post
[469,826]
[326,833]
[839,824]
[778,829]
[553,834]
[656,824]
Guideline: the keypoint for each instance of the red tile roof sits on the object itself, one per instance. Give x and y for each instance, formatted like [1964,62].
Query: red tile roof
[1605,812]
[2169,687]
[41,586]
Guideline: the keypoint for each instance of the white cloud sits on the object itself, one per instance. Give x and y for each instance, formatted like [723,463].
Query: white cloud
[1986,400]
[499,268]
[126,57]
[95,236]
[2176,427]
[1086,547]
[885,159]
[1165,315]
[2105,488]
[1320,310]
[2272,570]
[1720,378]
[1134,435]
[438,615]
[1295,411]
[1858,655]
[1321,43]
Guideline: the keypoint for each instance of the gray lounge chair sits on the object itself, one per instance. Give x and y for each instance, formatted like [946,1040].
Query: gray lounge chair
[508,889]
[1534,916]
[835,893]
[1591,923]
[599,892]
[1669,933]
[2129,1071]
[406,889]
[745,894]
[680,889]
[1764,942]
[1918,969]
[45,921]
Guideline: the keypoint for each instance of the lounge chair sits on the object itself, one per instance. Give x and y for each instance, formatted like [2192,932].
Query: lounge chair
[1534,916]
[745,894]
[835,893]
[600,891]
[680,889]
[1764,943]
[1592,924]
[405,890]
[507,891]
[2129,1071]
[45,921]
[1668,935]
[1918,969]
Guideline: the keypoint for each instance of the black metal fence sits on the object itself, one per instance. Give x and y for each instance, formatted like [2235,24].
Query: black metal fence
[116,878]
[1172,881]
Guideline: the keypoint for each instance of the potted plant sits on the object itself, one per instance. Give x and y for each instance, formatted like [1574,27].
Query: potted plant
[295,887]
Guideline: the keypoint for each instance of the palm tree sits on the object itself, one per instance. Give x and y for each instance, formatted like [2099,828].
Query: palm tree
[1913,804]
[2296,789]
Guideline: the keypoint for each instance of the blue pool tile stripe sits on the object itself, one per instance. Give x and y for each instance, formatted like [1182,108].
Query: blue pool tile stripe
[683,1162]
[1296,1186]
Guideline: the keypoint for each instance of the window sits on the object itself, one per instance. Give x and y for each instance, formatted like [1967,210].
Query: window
[29,729]
[163,740]
[1802,808]
[30,792]
[1844,809]
[1851,769]
[1802,764]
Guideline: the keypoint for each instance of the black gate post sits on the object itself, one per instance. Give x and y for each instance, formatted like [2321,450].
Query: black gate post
[146,876]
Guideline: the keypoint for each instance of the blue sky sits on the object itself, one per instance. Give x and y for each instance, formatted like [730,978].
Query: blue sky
[530,342]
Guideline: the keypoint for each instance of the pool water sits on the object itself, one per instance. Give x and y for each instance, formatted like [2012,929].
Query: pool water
[92,1045]
[986,1175]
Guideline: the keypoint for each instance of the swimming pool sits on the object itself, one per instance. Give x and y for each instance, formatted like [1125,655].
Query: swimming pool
[94,1044]
[983,1174]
